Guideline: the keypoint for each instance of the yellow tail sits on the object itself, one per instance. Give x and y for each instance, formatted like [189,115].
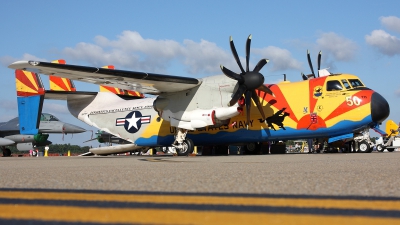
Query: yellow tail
[392,129]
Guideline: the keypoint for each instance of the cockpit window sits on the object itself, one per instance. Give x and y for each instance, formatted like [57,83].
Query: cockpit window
[334,85]
[356,83]
[346,84]
[48,117]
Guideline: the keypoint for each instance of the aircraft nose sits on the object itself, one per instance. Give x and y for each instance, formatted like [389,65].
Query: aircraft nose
[69,128]
[379,108]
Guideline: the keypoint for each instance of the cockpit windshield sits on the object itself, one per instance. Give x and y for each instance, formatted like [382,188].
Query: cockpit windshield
[334,85]
[356,83]
[346,84]
[48,117]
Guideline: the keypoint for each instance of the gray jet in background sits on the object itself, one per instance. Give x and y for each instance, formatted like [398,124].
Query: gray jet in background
[10,133]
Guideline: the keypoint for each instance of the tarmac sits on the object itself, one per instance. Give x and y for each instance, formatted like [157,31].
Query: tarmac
[350,188]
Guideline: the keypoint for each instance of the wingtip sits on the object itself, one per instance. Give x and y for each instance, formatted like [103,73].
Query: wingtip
[230,38]
[250,36]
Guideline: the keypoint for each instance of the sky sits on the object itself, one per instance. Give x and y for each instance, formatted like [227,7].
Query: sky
[191,38]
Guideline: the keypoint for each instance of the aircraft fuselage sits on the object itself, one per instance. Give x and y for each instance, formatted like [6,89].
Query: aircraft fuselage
[317,108]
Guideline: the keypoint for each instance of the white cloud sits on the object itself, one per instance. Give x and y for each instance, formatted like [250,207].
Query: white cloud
[131,50]
[385,43]
[391,22]
[206,57]
[281,59]
[340,48]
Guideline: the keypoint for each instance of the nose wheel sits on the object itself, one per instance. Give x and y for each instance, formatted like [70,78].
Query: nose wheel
[185,148]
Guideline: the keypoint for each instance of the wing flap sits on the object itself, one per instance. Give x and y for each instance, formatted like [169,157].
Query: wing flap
[149,83]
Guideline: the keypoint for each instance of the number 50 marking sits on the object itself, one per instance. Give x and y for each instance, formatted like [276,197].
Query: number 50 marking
[353,100]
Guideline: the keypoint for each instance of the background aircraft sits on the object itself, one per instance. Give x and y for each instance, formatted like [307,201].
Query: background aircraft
[10,133]
[210,111]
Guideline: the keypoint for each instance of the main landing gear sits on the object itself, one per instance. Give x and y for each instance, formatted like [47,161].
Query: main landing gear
[184,146]
[6,152]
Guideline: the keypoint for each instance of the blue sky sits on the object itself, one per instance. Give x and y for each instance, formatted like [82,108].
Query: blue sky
[191,38]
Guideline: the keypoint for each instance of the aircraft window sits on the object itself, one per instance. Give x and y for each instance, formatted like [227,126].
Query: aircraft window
[334,85]
[356,83]
[48,117]
[346,84]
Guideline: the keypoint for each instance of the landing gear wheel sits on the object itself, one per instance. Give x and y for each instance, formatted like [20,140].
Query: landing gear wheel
[380,148]
[390,149]
[6,152]
[252,148]
[186,148]
[363,147]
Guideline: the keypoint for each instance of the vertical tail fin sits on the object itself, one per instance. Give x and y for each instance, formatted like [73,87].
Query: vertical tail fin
[104,88]
[30,97]
[61,84]
[118,91]
[392,129]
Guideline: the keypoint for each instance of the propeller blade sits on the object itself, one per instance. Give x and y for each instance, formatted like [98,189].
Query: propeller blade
[265,89]
[231,74]
[304,76]
[255,98]
[260,65]
[248,52]
[309,62]
[241,89]
[233,49]
[319,61]
[248,105]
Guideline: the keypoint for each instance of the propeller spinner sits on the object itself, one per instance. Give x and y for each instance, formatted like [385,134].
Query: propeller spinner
[248,81]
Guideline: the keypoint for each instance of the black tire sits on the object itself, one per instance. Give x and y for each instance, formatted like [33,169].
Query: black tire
[187,149]
[380,148]
[252,148]
[390,149]
[6,152]
[363,147]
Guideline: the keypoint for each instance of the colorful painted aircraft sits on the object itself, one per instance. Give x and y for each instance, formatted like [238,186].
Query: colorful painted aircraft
[209,111]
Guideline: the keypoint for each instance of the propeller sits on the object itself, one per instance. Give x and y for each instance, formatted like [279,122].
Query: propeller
[311,66]
[248,81]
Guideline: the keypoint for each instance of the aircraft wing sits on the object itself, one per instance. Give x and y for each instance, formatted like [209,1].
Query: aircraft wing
[149,83]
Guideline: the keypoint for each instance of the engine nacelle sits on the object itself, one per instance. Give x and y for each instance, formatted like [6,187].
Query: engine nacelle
[200,118]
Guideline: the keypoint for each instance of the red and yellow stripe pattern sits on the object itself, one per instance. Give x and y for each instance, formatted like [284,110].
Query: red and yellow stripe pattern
[28,83]
[59,83]
[118,91]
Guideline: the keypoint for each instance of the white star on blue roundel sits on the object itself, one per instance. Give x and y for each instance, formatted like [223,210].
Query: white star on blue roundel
[133,121]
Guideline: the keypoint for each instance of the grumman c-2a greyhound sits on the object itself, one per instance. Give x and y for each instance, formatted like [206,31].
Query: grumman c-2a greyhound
[210,111]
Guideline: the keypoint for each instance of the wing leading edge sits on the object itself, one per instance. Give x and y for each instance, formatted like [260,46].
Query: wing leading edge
[149,83]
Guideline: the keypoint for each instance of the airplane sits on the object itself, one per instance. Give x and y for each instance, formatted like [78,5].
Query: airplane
[210,111]
[49,124]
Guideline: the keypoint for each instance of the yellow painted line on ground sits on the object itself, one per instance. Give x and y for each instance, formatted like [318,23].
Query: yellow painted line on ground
[213,200]
[153,216]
